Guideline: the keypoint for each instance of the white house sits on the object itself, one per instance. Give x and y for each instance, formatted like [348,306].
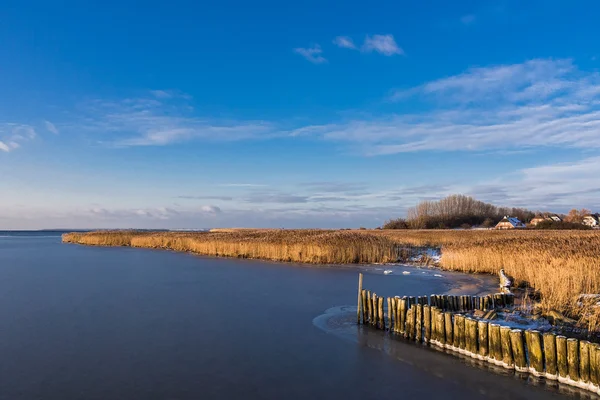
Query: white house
[510,223]
[592,220]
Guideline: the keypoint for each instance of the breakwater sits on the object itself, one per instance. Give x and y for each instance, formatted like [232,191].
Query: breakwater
[449,322]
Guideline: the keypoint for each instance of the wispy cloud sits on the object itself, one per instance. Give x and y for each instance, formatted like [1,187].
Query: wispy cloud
[223,198]
[158,122]
[382,44]
[536,104]
[50,127]
[170,94]
[251,185]
[12,135]
[345,42]
[312,54]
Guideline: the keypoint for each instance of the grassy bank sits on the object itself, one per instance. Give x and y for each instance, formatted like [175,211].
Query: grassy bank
[304,246]
[560,265]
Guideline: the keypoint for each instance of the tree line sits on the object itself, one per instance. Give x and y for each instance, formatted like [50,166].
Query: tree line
[456,211]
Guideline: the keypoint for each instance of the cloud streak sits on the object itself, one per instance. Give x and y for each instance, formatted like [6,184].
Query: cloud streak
[13,135]
[345,42]
[312,54]
[382,44]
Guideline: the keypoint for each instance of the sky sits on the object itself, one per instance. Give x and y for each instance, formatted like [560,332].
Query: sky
[292,114]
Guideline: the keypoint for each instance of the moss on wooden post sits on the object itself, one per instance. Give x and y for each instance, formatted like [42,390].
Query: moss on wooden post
[455,331]
[413,322]
[471,336]
[536,355]
[441,331]
[594,364]
[562,362]
[495,342]
[518,349]
[506,347]
[550,355]
[461,333]
[482,328]
[584,361]
[365,307]
[573,358]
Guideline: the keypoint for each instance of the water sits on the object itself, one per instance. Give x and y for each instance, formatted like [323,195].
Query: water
[118,323]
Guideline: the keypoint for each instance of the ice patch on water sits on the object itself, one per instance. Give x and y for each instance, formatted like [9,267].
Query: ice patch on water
[406,272]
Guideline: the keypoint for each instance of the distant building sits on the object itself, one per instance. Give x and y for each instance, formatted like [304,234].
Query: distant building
[537,220]
[510,223]
[555,218]
[592,220]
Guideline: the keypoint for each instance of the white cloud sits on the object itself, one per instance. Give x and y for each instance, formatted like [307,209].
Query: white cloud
[383,44]
[345,42]
[153,122]
[50,127]
[536,104]
[12,135]
[312,54]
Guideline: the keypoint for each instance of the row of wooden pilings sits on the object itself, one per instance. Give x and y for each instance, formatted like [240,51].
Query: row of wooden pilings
[441,321]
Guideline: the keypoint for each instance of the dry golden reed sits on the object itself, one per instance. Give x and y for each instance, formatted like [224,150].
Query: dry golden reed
[559,264]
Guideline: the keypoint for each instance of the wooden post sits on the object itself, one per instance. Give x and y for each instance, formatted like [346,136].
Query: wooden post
[494,342]
[375,310]
[360,282]
[550,355]
[594,360]
[449,328]
[381,324]
[584,360]
[536,356]
[365,309]
[403,311]
[419,323]
[482,328]
[573,358]
[427,322]
[411,300]
[408,326]
[471,326]
[518,349]
[506,348]
[370,306]
[390,313]
[445,302]
[562,362]
[486,303]
[455,331]
[440,320]
[461,332]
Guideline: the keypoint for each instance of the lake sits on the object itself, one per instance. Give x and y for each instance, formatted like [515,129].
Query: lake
[120,323]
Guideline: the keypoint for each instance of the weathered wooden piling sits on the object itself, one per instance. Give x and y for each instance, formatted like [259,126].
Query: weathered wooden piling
[455,331]
[419,323]
[381,324]
[434,311]
[390,324]
[403,311]
[562,357]
[482,329]
[411,300]
[375,309]
[518,349]
[573,358]
[441,331]
[449,328]
[494,342]
[369,307]
[413,322]
[360,308]
[471,337]
[594,364]
[486,303]
[462,344]
[365,307]
[550,355]
[427,323]
[536,355]
[506,347]
[584,361]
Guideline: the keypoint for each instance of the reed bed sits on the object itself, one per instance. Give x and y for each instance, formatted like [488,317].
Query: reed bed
[559,265]
[304,246]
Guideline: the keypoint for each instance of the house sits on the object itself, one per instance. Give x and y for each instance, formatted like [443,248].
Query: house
[555,218]
[510,223]
[537,220]
[592,220]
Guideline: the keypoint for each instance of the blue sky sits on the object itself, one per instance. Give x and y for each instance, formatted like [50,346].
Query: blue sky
[312,114]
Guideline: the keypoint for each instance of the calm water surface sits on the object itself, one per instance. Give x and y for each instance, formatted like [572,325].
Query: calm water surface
[118,323]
